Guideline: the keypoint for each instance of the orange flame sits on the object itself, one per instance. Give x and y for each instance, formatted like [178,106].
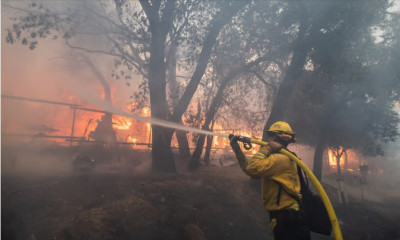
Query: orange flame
[131,139]
[352,159]
[333,160]
[146,111]
[121,122]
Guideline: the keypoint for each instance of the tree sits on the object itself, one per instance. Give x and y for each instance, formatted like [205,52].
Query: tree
[301,45]
[162,155]
[330,35]
[215,105]
[138,36]
[255,39]
[173,86]
[104,131]
[345,105]
[366,102]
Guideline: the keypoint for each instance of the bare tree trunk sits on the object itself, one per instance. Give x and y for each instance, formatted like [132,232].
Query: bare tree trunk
[100,77]
[215,27]
[194,161]
[157,82]
[162,157]
[208,146]
[300,51]
[159,27]
[104,131]
[318,156]
[308,32]
[161,153]
[184,150]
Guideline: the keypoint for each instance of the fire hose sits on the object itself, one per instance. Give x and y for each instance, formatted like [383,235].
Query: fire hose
[246,143]
[332,216]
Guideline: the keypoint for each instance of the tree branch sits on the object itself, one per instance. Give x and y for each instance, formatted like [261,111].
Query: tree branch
[149,10]
[168,13]
[267,84]
[91,50]
[214,28]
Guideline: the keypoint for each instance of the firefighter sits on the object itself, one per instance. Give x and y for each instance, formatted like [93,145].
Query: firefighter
[280,182]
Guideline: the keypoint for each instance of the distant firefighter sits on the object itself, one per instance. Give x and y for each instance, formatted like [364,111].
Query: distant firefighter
[83,163]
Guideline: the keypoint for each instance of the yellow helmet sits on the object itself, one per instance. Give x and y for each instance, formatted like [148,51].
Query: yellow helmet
[283,131]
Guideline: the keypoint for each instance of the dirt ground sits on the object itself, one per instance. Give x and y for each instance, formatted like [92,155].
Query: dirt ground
[120,199]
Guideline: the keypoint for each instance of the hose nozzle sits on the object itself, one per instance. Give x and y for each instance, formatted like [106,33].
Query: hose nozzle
[245,140]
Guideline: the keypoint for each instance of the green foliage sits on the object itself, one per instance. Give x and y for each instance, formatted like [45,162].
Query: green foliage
[39,23]
[141,97]
[348,101]
[348,97]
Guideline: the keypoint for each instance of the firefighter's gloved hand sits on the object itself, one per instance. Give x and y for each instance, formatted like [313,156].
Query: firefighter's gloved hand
[242,160]
[232,138]
[234,143]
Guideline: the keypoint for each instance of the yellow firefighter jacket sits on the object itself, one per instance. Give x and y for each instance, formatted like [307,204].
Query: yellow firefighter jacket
[274,168]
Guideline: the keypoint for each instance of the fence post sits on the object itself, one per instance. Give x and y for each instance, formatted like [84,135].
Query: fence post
[73,126]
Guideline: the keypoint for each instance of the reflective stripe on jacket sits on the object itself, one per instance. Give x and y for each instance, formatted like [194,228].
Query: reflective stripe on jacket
[273,169]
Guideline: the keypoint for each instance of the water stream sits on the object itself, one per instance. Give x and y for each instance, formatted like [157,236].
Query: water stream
[163,123]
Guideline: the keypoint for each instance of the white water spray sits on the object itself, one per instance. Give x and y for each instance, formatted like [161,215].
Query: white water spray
[163,123]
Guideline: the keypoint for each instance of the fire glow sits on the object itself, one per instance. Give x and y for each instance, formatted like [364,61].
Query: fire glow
[121,122]
[131,139]
[333,159]
[351,155]
[57,123]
